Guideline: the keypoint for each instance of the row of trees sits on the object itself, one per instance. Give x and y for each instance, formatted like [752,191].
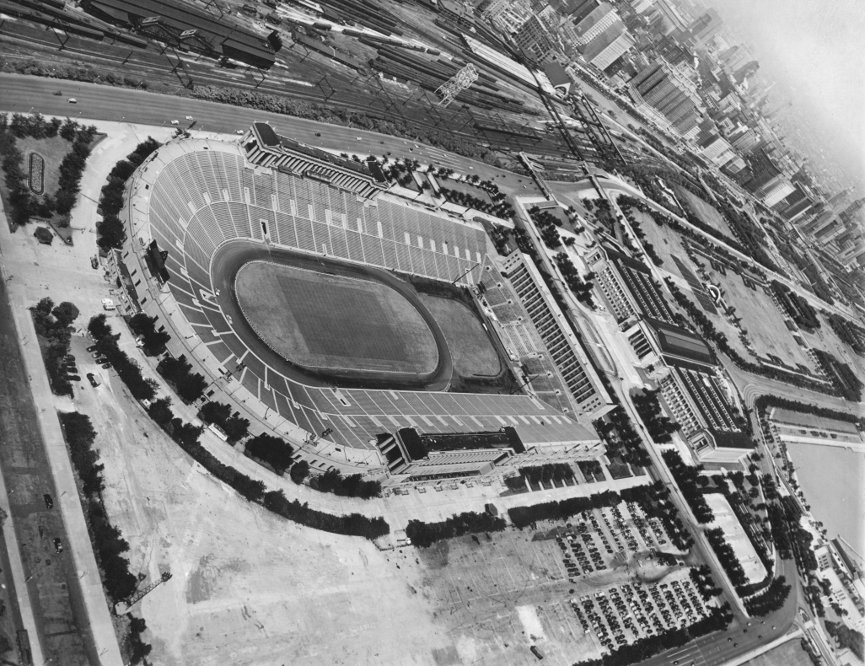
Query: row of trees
[353,485]
[638,231]
[108,542]
[727,557]
[582,288]
[187,436]
[72,72]
[152,339]
[127,368]
[621,438]
[798,308]
[233,425]
[178,373]
[687,478]
[425,534]
[648,406]
[766,401]
[845,379]
[502,209]
[54,331]
[110,230]
[555,472]
[771,599]
[547,225]
[849,333]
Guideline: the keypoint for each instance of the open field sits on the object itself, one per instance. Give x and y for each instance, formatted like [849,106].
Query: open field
[761,318]
[471,349]
[248,587]
[704,210]
[328,322]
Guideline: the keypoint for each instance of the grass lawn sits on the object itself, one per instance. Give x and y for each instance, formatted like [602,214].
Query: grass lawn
[334,322]
[704,210]
[471,349]
[52,150]
[788,654]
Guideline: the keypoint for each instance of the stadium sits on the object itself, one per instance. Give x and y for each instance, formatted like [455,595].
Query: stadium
[324,306]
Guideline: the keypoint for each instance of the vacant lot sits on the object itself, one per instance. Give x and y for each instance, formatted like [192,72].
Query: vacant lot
[334,322]
[248,587]
[704,210]
[667,243]
[472,350]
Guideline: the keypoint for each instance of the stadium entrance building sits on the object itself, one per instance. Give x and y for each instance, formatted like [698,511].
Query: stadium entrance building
[264,147]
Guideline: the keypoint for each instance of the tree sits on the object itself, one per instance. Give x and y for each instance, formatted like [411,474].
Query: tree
[299,471]
[272,450]
[98,327]
[65,313]
[160,411]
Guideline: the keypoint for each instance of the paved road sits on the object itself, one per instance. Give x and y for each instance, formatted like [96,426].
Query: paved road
[96,102]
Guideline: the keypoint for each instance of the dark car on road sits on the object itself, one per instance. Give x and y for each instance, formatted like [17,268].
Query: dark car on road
[58,545]
[93,381]
[49,501]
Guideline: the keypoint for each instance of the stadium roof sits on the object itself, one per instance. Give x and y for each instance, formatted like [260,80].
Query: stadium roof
[680,342]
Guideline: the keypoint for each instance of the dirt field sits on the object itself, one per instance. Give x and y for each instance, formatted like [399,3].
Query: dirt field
[247,587]
[473,353]
[330,322]
[704,210]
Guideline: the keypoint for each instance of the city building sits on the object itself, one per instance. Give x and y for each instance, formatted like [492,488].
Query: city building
[627,286]
[598,20]
[673,95]
[688,377]
[534,40]
[703,28]
[607,47]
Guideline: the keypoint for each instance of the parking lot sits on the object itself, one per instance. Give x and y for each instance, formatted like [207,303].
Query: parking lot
[626,613]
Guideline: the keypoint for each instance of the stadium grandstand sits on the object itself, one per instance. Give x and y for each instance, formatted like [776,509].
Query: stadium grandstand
[627,286]
[193,202]
[588,395]
[187,27]
[688,376]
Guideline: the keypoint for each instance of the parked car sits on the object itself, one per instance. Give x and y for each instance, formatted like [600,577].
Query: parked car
[58,545]
[175,122]
[105,365]
[72,100]
[49,501]
[73,378]
[91,348]
[189,118]
[93,381]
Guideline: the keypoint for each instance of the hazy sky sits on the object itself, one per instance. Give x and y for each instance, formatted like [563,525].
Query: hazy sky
[814,49]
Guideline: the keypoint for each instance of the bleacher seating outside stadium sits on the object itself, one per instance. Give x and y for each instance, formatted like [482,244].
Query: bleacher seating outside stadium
[387,233]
